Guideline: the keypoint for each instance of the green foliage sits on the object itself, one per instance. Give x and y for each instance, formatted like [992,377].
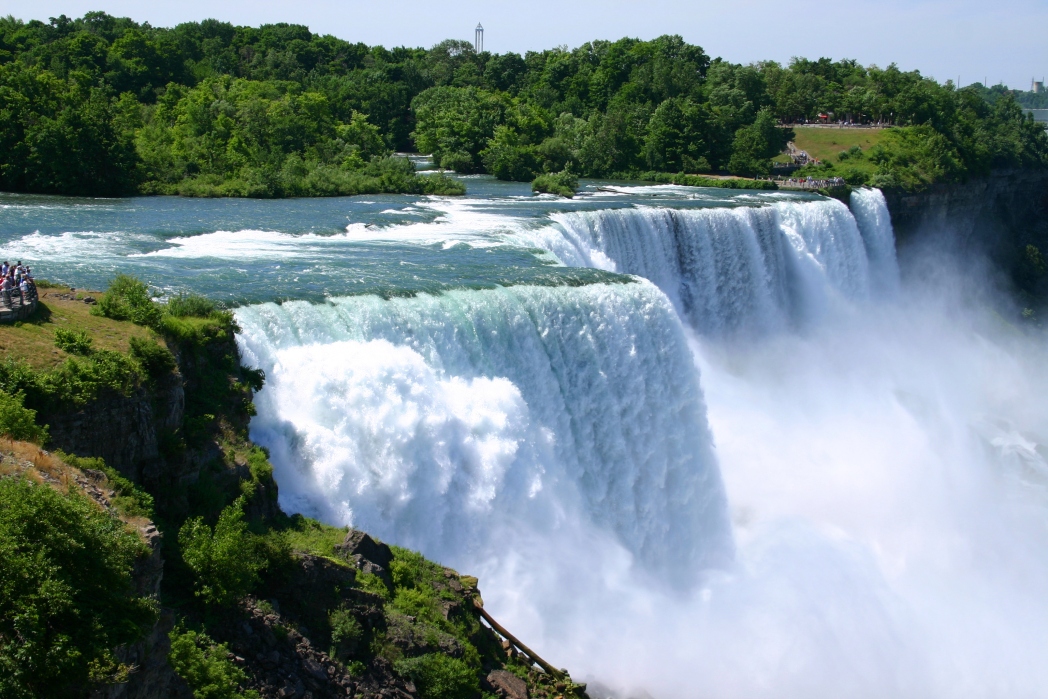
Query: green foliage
[439,676]
[155,359]
[755,145]
[699,181]
[564,184]
[225,560]
[1032,268]
[915,157]
[66,594]
[19,422]
[346,633]
[190,305]
[128,298]
[131,500]
[369,582]
[73,341]
[205,666]
[104,105]
[73,384]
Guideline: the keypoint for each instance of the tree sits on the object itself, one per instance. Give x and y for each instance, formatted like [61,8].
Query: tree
[66,594]
[755,145]
[225,561]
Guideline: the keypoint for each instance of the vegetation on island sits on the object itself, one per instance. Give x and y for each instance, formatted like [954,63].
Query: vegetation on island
[74,530]
[103,105]
[564,184]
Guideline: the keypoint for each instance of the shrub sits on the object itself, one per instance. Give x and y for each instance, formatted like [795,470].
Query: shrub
[346,633]
[563,183]
[73,342]
[183,306]
[439,676]
[156,360]
[225,561]
[205,667]
[128,299]
[19,422]
[66,594]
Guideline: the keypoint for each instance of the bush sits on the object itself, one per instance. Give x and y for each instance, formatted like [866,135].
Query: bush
[346,633]
[66,593]
[563,183]
[73,384]
[73,342]
[19,422]
[156,360]
[185,305]
[205,667]
[225,561]
[439,676]
[128,299]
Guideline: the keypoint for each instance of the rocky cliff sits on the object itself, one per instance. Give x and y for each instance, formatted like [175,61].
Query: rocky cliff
[992,217]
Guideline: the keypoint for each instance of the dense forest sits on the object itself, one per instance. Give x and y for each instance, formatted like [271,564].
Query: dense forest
[104,105]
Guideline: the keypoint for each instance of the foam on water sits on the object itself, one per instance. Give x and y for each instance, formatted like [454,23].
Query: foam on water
[437,421]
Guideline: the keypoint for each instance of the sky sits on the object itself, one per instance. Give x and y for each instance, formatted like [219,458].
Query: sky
[992,40]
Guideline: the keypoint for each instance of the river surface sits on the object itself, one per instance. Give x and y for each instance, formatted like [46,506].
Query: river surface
[695,443]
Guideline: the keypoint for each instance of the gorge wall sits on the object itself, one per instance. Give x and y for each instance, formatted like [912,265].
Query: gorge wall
[993,217]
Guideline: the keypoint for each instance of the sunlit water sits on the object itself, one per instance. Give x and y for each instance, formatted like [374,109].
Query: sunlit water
[763,467]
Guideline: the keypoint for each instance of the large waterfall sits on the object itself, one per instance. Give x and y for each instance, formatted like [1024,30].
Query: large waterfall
[439,421]
[859,513]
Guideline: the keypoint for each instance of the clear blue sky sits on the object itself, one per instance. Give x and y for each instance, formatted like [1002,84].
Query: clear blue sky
[1002,40]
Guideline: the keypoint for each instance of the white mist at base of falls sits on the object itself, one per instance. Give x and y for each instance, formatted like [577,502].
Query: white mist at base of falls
[879,447]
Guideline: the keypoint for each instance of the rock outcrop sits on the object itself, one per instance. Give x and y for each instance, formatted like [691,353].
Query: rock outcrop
[993,217]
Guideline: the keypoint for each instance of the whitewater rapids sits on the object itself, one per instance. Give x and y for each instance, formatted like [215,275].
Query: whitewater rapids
[859,511]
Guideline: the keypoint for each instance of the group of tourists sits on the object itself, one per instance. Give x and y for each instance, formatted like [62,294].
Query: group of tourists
[17,281]
[812,182]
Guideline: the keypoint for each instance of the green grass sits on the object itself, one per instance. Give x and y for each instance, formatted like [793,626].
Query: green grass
[827,143]
[307,535]
[33,341]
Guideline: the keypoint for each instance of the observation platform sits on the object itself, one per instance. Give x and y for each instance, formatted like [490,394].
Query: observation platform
[16,307]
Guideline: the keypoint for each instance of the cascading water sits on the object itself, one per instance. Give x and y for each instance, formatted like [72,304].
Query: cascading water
[881,446]
[435,421]
[742,268]
[553,440]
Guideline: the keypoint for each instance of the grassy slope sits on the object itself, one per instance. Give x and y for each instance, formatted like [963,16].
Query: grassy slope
[827,143]
[34,340]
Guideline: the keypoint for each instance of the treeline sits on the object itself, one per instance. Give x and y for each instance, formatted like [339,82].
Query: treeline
[106,106]
[102,105]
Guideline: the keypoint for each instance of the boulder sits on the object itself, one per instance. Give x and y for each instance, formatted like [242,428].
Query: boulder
[357,543]
[507,685]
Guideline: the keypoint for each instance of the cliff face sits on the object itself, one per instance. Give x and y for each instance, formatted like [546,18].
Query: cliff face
[993,217]
[125,431]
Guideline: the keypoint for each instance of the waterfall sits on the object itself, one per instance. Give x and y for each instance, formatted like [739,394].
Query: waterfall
[740,269]
[871,213]
[437,420]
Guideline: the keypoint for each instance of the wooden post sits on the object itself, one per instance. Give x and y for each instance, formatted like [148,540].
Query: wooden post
[516,642]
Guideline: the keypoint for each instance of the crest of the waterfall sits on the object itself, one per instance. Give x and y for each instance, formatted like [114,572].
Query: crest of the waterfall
[453,421]
[731,270]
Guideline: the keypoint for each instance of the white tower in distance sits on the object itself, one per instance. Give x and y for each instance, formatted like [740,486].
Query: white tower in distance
[478,39]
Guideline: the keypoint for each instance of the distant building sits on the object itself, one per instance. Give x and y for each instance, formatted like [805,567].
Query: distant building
[478,39]
[1037,87]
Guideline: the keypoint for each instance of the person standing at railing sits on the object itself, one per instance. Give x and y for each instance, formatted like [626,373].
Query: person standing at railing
[5,290]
